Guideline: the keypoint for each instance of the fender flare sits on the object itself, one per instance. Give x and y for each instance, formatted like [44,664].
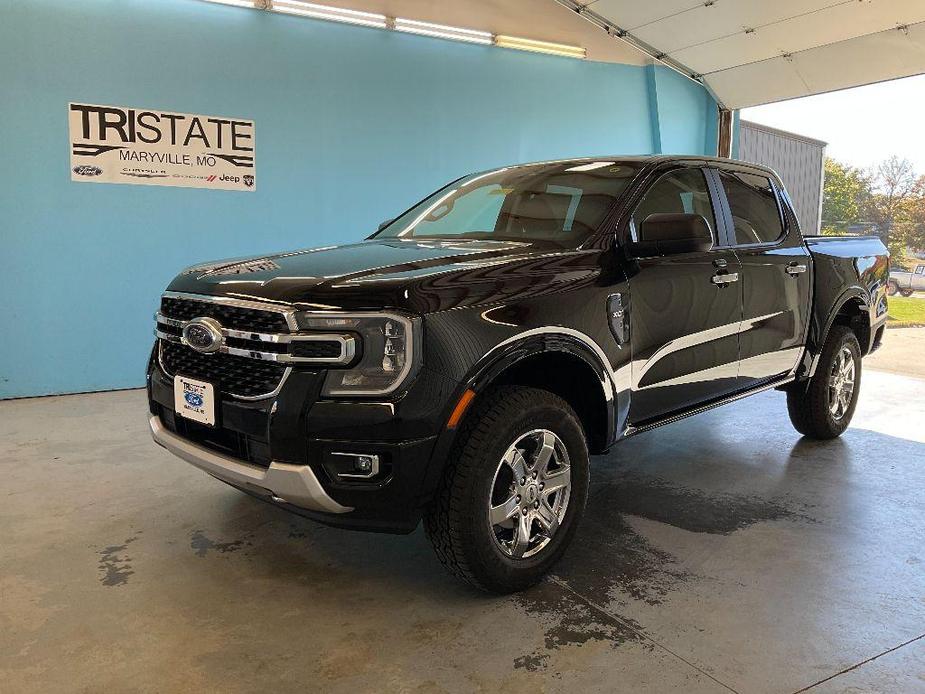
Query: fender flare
[814,346]
[538,341]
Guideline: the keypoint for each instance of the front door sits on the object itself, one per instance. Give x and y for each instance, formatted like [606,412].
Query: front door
[685,310]
[775,280]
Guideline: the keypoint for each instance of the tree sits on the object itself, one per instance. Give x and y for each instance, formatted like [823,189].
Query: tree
[915,212]
[894,186]
[844,194]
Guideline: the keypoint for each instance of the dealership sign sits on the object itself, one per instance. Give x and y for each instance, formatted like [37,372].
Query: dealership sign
[114,144]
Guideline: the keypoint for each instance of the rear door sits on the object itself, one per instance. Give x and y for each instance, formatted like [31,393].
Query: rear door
[685,310]
[775,274]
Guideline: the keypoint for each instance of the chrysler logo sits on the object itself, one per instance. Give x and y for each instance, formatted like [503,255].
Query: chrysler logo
[203,335]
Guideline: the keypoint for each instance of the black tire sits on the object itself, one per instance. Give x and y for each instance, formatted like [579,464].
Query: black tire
[810,405]
[892,288]
[457,521]
[907,292]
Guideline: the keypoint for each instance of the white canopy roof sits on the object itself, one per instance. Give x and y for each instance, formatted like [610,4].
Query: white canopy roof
[751,52]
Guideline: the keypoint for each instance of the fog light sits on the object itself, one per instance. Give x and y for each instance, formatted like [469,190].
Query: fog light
[363,465]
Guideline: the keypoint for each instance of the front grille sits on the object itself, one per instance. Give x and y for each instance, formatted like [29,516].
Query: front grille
[234,317]
[227,372]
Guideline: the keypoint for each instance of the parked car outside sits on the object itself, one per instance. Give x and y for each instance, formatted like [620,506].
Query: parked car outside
[906,282]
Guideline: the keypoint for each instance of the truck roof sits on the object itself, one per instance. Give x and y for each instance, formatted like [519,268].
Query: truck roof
[653,159]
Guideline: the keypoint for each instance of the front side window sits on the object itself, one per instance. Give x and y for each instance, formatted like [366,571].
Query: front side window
[683,191]
[755,214]
[561,204]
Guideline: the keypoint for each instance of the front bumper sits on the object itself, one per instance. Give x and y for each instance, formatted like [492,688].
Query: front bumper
[281,448]
[282,482]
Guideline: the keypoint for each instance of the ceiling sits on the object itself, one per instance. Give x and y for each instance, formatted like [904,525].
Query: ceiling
[747,52]
[751,52]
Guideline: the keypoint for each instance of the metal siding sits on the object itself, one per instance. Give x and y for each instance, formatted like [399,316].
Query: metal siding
[799,163]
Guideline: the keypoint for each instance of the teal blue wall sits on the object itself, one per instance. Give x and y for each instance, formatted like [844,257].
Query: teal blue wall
[352,126]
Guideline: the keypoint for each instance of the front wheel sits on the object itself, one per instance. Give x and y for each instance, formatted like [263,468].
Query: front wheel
[892,288]
[906,292]
[822,409]
[513,491]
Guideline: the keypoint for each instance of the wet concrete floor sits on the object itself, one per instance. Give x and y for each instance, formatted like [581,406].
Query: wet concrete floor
[721,553]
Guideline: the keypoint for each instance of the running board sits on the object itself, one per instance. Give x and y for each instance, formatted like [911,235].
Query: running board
[670,419]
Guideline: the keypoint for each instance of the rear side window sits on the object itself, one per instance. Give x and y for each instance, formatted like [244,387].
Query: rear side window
[682,191]
[755,214]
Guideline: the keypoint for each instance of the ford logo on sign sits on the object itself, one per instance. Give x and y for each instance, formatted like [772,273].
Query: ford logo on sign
[87,170]
[193,399]
[203,334]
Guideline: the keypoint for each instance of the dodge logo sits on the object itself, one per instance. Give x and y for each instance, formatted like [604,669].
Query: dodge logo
[203,335]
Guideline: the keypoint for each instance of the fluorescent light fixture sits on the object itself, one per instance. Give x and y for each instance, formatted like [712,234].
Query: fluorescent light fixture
[334,14]
[442,31]
[559,49]
[235,3]
[592,166]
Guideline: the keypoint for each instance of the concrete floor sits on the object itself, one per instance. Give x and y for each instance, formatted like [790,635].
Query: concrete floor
[902,352]
[722,553]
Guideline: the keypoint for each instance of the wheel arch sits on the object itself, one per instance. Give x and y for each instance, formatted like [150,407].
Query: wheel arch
[852,309]
[563,361]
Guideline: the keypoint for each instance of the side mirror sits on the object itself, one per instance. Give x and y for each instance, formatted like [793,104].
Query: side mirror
[671,234]
[384,224]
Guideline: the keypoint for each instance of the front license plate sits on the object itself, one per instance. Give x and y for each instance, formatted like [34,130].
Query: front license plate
[194,399]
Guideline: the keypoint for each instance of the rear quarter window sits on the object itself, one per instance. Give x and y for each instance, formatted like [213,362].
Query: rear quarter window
[753,203]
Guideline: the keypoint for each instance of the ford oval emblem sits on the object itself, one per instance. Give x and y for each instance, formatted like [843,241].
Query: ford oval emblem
[87,170]
[203,334]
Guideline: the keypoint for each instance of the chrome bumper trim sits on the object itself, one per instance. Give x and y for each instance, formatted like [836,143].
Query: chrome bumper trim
[294,484]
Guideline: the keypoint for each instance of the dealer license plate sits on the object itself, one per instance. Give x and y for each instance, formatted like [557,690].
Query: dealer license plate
[194,399]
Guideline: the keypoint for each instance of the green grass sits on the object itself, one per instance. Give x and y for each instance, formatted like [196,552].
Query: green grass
[909,310]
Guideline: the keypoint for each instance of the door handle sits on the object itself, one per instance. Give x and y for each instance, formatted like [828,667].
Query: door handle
[725,278]
[795,269]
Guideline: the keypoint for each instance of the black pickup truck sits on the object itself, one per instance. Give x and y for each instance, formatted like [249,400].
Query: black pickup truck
[460,364]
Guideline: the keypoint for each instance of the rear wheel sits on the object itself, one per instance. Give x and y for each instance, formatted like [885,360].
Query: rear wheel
[906,292]
[823,408]
[892,288]
[513,491]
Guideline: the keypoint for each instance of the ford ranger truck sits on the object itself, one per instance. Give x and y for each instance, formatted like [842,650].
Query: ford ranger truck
[461,364]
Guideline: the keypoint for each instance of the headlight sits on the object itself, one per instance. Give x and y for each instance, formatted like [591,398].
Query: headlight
[388,352]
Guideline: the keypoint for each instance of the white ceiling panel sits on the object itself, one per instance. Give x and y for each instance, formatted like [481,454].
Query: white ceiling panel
[757,51]
[874,58]
[708,23]
[834,24]
[630,14]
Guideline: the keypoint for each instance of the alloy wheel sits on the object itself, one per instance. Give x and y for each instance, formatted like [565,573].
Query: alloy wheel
[530,493]
[841,383]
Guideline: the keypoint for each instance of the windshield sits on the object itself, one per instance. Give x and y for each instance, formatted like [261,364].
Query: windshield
[560,203]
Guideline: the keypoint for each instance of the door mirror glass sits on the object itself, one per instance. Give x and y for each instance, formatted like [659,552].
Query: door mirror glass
[672,233]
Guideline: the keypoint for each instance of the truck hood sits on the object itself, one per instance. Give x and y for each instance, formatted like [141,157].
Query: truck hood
[420,276]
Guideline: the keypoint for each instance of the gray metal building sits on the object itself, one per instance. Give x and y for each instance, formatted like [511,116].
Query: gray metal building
[796,158]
